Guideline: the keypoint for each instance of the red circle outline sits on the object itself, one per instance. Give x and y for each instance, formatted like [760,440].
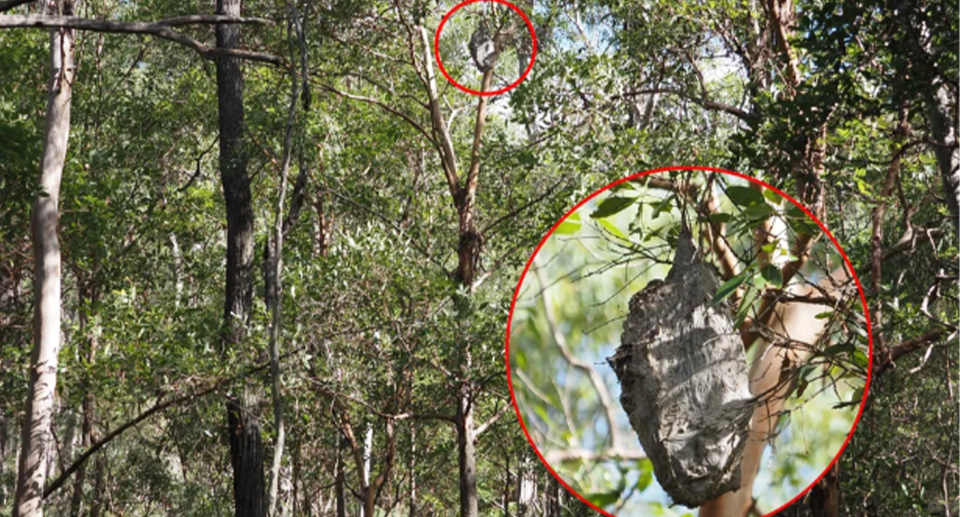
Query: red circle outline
[533,55]
[863,300]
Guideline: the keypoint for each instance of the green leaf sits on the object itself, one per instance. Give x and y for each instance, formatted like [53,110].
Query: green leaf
[744,196]
[860,359]
[772,275]
[772,196]
[612,205]
[570,225]
[800,222]
[845,348]
[719,218]
[604,499]
[757,213]
[646,474]
[612,229]
[664,205]
[745,305]
[857,395]
[729,287]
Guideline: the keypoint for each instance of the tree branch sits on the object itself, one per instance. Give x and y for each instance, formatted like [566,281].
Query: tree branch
[591,373]
[10,4]
[159,406]
[558,456]
[447,155]
[382,105]
[486,425]
[705,102]
[161,29]
[890,358]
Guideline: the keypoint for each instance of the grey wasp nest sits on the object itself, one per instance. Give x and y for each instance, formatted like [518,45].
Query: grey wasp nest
[684,381]
[482,48]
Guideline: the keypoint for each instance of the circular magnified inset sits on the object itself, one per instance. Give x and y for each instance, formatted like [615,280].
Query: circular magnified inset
[689,341]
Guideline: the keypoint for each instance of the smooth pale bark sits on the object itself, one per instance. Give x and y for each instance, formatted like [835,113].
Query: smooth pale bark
[368,496]
[35,433]
[799,321]
[527,496]
[246,443]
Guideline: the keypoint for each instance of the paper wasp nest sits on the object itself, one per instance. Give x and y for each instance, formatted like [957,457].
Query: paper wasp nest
[684,381]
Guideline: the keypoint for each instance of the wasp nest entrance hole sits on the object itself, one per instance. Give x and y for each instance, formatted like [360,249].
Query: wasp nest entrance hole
[683,374]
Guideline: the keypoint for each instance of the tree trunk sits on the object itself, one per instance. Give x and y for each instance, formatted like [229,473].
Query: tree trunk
[467,448]
[413,471]
[340,481]
[825,495]
[506,485]
[246,444]
[89,410]
[35,433]
[274,300]
[943,127]
[527,489]
[100,481]
[369,491]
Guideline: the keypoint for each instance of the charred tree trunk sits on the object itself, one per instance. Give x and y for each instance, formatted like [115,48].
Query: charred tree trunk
[246,444]
[35,433]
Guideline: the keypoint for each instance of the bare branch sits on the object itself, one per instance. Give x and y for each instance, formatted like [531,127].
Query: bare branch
[601,388]
[911,345]
[705,102]
[486,425]
[161,29]
[156,408]
[382,105]
[447,155]
[10,4]
[558,456]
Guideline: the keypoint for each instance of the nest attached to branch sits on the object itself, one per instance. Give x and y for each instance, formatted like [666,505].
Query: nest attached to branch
[684,381]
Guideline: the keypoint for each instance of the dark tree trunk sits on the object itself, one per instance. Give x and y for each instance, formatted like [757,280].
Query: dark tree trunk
[825,495]
[246,444]
[246,456]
